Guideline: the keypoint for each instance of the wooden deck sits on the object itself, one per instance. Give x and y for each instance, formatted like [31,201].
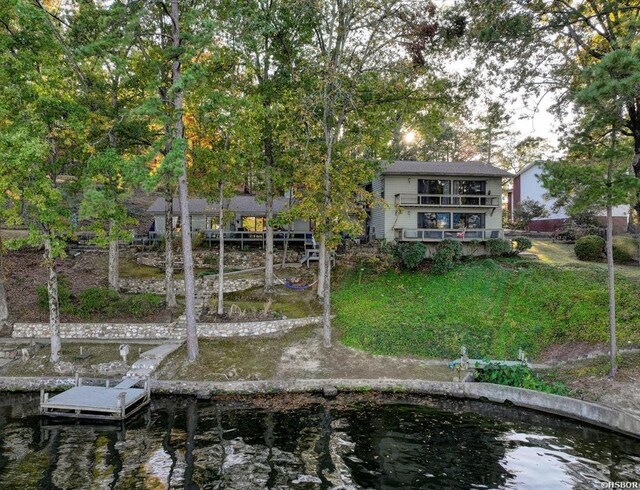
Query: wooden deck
[97,402]
[235,237]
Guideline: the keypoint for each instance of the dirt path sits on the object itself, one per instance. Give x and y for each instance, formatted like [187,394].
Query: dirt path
[298,354]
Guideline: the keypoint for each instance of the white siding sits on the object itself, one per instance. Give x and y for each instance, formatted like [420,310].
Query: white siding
[531,188]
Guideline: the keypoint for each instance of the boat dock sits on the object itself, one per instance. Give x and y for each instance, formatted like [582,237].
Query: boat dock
[98,402]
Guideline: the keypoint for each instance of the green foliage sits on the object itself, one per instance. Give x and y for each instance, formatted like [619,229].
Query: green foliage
[625,249]
[101,302]
[492,306]
[97,301]
[527,210]
[520,377]
[410,255]
[448,253]
[64,295]
[522,244]
[589,248]
[498,247]
[211,260]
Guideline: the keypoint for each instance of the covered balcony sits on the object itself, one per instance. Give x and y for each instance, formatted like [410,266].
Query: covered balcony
[448,200]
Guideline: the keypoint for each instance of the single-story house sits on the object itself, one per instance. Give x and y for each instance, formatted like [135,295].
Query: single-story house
[432,201]
[249,215]
[527,186]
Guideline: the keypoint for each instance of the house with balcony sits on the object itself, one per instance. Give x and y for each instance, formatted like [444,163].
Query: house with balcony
[432,201]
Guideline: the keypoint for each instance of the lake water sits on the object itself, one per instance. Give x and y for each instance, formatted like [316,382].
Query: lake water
[357,441]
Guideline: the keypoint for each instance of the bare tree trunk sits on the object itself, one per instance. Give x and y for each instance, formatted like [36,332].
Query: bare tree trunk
[114,259]
[268,264]
[221,256]
[4,305]
[187,254]
[613,350]
[286,246]
[54,311]
[169,285]
[321,267]
[326,303]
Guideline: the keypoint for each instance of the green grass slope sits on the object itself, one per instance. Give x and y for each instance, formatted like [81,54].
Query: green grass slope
[491,307]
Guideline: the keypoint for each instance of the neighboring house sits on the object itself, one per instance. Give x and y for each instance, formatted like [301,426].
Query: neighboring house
[431,201]
[527,185]
[248,220]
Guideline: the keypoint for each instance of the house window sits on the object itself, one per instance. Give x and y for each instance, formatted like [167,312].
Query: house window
[253,223]
[470,187]
[468,220]
[434,189]
[434,220]
[212,222]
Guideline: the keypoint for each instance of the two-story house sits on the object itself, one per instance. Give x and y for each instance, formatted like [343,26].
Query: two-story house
[431,201]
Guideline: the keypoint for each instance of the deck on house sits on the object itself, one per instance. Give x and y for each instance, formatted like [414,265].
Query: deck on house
[211,237]
[97,402]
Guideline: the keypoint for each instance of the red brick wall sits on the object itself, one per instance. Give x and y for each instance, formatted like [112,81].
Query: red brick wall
[517,192]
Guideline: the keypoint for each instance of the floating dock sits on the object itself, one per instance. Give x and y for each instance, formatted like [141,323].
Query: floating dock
[98,402]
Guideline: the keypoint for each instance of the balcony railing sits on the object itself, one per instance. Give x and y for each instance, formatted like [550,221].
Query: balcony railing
[451,200]
[241,237]
[435,235]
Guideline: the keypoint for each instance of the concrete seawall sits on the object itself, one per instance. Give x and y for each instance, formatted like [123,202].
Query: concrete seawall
[592,413]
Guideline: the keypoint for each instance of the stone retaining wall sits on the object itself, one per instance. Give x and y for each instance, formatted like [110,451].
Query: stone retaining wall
[159,330]
[205,286]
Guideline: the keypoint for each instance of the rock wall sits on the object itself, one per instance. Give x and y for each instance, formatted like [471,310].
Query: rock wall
[160,330]
[205,286]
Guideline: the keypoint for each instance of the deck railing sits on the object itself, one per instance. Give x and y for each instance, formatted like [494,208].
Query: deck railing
[452,200]
[434,235]
[242,237]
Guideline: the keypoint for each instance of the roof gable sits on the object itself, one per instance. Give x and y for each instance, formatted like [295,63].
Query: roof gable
[472,168]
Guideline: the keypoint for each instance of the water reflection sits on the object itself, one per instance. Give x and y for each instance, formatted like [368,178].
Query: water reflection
[347,443]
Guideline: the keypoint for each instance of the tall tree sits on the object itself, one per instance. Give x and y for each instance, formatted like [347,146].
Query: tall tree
[597,172]
[542,48]
[43,135]
[270,38]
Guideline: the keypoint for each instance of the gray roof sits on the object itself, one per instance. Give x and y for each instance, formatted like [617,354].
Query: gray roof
[243,204]
[472,169]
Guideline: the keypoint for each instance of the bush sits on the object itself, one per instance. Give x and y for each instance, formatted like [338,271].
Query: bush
[141,305]
[375,264]
[410,255]
[212,260]
[498,247]
[589,248]
[625,249]
[518,376]
[448,252]
[64,295]
[522,244]
[95,300]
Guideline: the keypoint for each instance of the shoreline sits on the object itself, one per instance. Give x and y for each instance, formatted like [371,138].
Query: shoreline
[602,416]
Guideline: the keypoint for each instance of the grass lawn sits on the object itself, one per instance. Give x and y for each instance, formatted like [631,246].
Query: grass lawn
[493,307]
[558,253]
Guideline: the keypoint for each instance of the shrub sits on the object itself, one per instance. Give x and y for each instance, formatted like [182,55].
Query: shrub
[518,376]
[211,260]
[64,295]
[522,244]
[97,300]
[527,210]
[375,264]
[448,252]
[410,255]
[498,247]
[197,239]
[625,249]
[141,305]
[589,248]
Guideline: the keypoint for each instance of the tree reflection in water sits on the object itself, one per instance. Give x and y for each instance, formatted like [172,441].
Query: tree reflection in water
[349,442]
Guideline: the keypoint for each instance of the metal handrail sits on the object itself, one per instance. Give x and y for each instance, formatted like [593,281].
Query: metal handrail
[435,234]
[474,200]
